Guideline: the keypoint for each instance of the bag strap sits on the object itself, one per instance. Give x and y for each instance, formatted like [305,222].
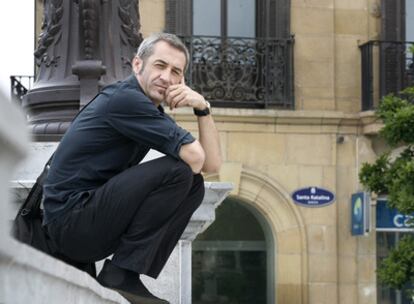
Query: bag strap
[46,167]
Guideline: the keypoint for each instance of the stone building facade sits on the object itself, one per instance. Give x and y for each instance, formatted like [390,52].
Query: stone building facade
[322,141]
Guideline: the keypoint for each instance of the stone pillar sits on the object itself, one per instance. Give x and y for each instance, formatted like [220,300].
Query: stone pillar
[176,276]
[84,45]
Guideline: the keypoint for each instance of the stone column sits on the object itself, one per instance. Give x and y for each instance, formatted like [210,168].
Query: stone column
[175,281]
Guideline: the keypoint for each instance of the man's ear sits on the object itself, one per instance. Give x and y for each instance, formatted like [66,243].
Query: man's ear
[136,64]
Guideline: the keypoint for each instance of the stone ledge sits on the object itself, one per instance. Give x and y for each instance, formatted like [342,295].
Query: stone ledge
[173,284]
[366,120]
[41,278]
[215,193]
[370,123]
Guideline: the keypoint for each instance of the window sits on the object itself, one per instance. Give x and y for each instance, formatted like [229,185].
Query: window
[409,20]
[396,62]
[225,18]
[229,18]
[241,50]
[409,33]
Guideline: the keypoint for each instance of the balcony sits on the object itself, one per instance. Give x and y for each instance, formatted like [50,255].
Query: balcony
[242,72]
[19,86]
[229,72]
[387,67]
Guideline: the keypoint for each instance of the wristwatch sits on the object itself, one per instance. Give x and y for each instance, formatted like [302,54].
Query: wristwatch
[204,112]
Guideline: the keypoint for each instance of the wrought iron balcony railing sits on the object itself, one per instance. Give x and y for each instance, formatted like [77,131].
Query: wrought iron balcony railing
[229,72]
[387,67]
[242,72]
[19,86]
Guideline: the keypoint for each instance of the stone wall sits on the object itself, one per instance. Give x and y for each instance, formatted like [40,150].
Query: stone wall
[268,155]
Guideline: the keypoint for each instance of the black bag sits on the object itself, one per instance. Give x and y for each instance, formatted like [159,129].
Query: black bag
[27,226]
[28,229]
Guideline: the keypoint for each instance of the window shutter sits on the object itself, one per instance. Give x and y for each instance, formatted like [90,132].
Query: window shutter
[261,18]
[392,59]
[393,20]
[171,16]
[178,19]
[273,18]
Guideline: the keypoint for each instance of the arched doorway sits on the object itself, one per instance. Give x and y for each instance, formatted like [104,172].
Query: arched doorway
[233,258]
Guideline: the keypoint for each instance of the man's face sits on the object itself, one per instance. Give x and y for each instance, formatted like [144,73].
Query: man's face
[163,68]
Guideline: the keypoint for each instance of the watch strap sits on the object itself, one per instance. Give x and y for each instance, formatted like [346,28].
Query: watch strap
[204,112]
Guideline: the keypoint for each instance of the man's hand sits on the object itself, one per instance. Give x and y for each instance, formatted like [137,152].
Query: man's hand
[204,154]
[180,95]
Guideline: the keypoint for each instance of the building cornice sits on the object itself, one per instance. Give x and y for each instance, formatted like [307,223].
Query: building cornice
[364,122]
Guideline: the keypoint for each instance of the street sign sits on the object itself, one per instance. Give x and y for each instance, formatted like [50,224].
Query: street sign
[360,213]
[313,197]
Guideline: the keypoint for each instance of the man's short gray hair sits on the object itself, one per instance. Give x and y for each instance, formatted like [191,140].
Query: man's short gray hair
[146,48]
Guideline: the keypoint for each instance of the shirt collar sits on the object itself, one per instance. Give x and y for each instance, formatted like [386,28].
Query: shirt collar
[132,80]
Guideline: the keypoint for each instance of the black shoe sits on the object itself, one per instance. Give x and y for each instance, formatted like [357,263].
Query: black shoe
[127,283]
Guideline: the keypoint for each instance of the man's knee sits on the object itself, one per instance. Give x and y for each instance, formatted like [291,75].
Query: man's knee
[181,171]
[198,188]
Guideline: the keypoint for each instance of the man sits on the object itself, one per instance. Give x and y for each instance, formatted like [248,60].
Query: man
[100,201]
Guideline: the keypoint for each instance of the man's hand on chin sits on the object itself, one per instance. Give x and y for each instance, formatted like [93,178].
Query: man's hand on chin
[181,95]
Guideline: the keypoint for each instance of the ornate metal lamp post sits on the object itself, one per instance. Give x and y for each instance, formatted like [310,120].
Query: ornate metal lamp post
[84,45]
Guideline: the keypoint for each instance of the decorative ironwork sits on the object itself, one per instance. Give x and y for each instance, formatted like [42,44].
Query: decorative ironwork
[395,60]
[242,72]
[19,86]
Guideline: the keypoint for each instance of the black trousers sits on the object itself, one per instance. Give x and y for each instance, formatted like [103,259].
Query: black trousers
[138,215]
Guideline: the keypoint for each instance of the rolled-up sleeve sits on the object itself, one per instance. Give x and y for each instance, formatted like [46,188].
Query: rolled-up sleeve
[132,114]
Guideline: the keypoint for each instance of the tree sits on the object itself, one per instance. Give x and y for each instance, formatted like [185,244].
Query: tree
[394,176]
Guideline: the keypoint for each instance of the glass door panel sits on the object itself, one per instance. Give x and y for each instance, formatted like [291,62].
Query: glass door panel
[207,17]
[241,18]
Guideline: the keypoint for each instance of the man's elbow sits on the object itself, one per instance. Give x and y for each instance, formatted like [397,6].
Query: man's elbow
[196,161]
[213,167]
[194,155]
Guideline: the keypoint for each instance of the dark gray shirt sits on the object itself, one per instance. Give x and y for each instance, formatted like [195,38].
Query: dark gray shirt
[113,133]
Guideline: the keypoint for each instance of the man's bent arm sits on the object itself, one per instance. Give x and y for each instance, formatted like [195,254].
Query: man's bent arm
[193,155]
[183,96]
[210,141]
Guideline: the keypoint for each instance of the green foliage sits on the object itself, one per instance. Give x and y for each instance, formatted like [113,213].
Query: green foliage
[398,117]
[398,268]
[411,48]
[373,176]
[401,182]
[395,177]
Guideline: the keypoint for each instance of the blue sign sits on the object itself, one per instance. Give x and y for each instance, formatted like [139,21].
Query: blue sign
[389,219]
[313,197]
[359,213]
